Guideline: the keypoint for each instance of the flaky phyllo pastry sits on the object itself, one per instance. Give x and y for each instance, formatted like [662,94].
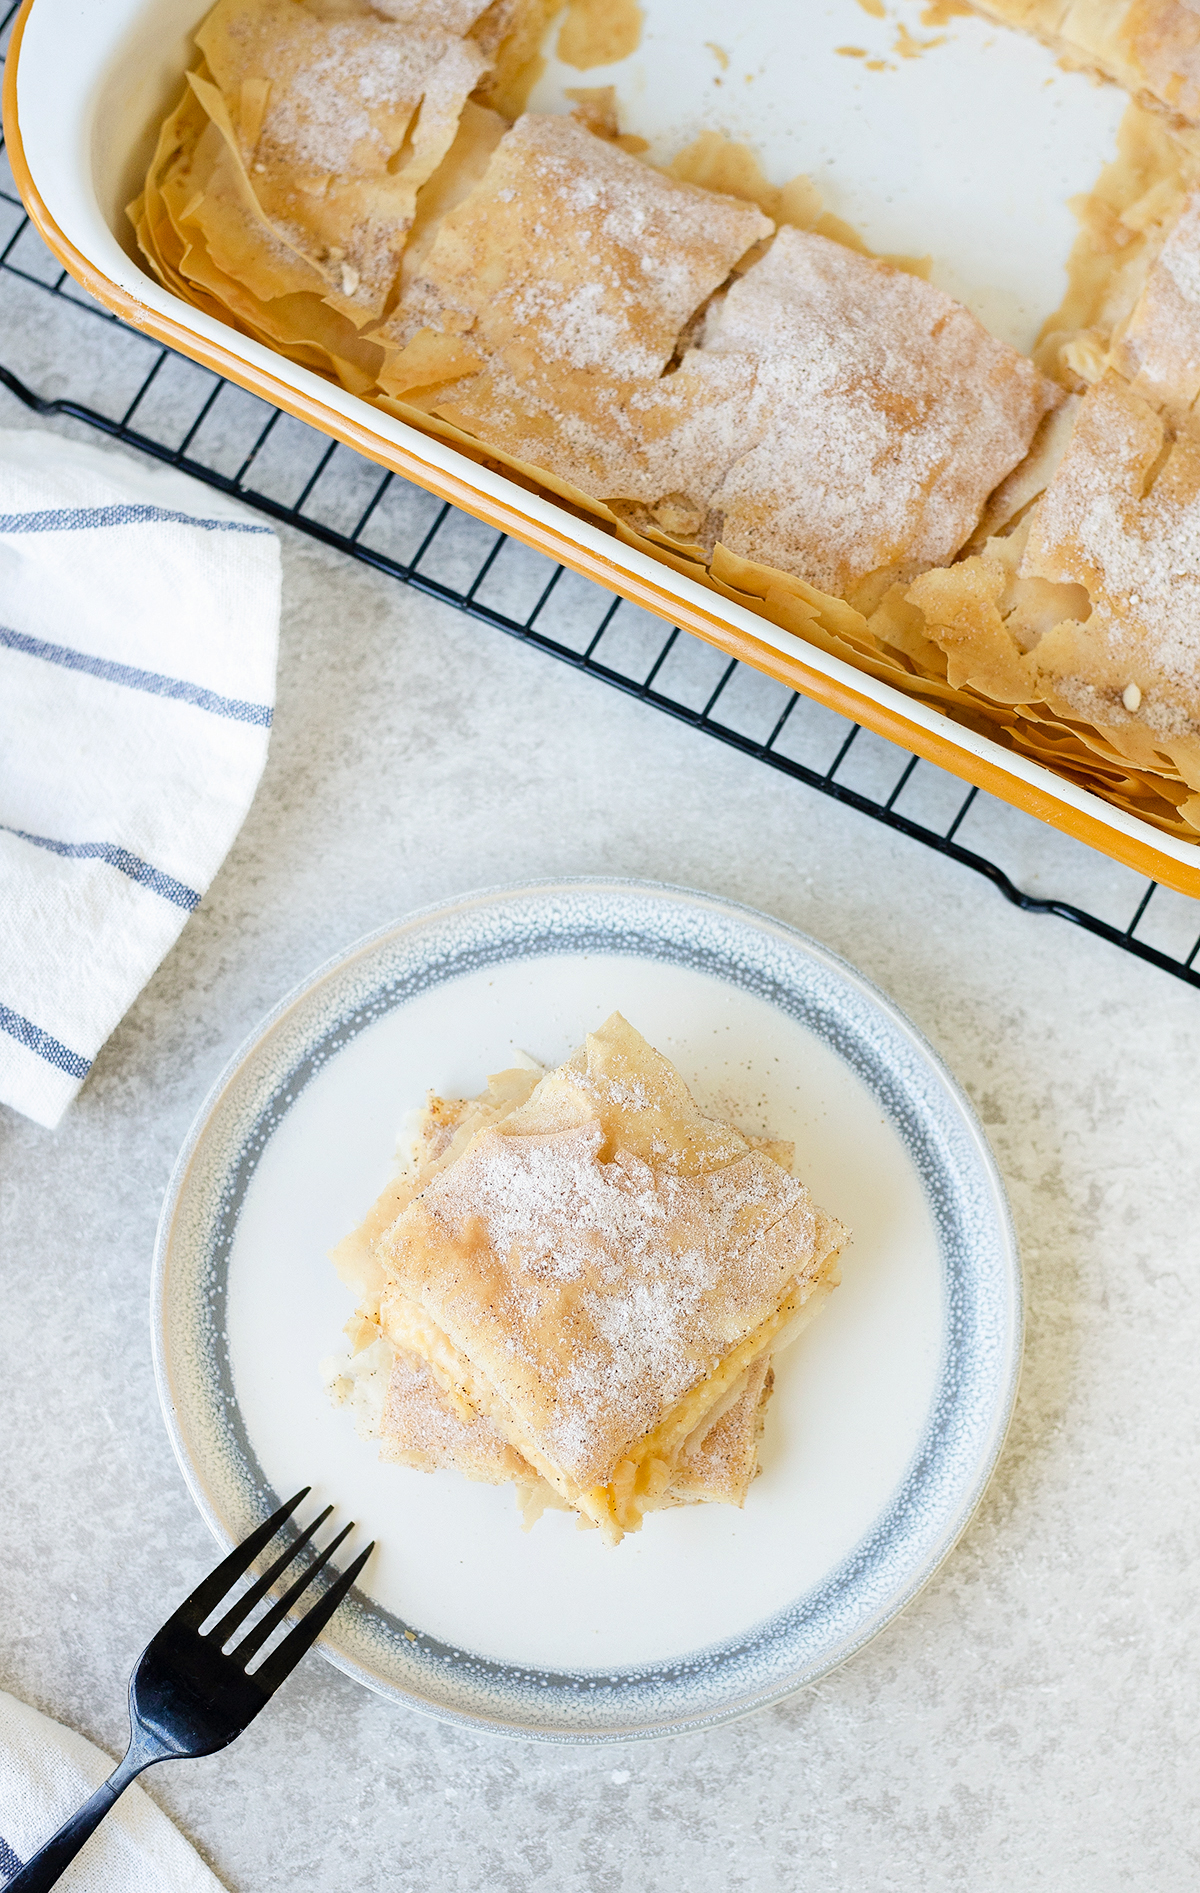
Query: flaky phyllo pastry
[714,369]
[580,1287]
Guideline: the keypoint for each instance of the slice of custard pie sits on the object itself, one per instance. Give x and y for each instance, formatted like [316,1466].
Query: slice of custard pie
[579,1288]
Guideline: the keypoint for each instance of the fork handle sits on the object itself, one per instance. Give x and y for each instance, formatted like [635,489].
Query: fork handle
[52,1860]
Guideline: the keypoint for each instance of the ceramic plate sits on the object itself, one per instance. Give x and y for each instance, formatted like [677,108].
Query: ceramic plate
[888,1413]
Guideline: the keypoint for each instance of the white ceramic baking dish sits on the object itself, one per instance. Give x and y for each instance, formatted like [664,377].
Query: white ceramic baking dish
[966,148]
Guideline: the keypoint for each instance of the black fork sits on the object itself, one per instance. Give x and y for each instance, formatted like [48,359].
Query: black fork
[186,1696]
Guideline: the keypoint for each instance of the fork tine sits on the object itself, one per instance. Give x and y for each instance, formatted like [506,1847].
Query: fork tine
[254,1639]
[282,1661]
[208,1595]
[221,1632]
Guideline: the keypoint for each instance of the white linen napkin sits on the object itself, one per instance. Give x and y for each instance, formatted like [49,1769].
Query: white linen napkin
[46,1772]
[139,622]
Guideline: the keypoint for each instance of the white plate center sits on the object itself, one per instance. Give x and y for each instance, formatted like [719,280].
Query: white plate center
[852,1397]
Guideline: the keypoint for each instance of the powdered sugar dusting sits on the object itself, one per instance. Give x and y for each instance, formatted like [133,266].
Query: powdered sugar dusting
[328,157]
[1160,349]
[326,118]
[650,1276]
[577,253]
[883,414]
[417,1424]
[1136,551]
[1181,254]
[838,417]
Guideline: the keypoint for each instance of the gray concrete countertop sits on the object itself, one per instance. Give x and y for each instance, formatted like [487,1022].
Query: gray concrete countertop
[1030,1721]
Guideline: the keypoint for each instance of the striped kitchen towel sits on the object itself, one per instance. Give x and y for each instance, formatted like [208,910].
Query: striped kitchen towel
[46,1772]
[139,620]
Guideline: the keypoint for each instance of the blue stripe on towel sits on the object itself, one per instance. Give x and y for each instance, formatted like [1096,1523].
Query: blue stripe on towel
[137,870]
[35,1040]
[112,673]
[10,1863]
[94,518]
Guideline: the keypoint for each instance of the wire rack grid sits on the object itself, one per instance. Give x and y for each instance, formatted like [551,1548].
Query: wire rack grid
[62,355]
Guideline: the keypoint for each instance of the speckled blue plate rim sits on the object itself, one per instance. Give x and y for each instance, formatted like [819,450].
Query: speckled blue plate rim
[967,1424]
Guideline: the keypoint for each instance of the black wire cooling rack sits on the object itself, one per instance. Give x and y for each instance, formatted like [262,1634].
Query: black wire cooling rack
[62,355]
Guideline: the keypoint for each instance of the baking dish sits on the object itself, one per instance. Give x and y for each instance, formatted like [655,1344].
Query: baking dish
[934,143]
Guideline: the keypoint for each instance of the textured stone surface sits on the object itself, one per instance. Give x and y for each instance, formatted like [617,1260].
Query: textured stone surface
[1028,1722]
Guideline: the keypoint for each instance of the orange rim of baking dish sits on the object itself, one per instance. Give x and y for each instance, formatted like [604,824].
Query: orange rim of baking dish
[563,549]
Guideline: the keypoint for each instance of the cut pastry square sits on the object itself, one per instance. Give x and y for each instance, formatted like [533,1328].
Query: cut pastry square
[570,254]
[597,1273]
[396,1401]
[1120,523]
[341,115]
[882,417]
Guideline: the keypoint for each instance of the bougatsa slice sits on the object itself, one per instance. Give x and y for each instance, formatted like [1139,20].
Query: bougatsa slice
[595,1273]
[883,414]
[351,115]
[395,1399]
[1121,521]
[839,418]
[572,254]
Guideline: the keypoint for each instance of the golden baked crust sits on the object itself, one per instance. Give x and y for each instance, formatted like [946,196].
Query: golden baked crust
[510,33]
[719,1464]
[1158,349]
[397,1402]
[1123,222]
